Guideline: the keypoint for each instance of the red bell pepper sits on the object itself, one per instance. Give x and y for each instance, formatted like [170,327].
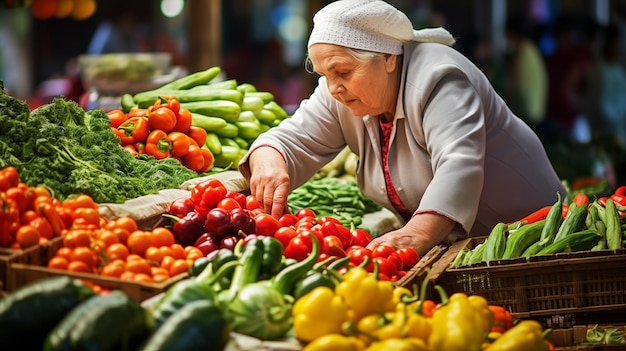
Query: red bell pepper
[157,144]
[205,195]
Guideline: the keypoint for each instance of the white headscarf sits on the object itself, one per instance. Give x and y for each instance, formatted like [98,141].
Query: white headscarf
[371,25]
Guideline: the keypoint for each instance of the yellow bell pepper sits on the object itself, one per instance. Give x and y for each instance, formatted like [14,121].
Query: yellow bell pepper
[461,324]
[334,342]
[525,335]
[318,313]
[398,344]
[364,293]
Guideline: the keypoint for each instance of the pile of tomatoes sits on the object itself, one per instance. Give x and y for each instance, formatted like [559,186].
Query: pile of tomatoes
[29,215]
[217,218]
[119,249]
[163,130]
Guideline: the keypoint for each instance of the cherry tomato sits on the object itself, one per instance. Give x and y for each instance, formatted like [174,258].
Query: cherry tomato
[297,248]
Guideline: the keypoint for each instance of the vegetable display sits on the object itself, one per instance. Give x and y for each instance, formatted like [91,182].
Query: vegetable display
[71,152]
[231,114]
[578,226]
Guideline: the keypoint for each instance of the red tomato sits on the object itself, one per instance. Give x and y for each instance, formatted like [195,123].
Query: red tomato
[252,202]
[385,266]
[228,204]
[358,255]
[409,257]
[306,212]
[288,220]
[285,234]
[183,122]
[581,199]
[297,249]
[266,224]
[383,251]
[396,259]
[239,197]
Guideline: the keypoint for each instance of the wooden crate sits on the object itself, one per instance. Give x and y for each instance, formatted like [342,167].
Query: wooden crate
[573,339]
[23,274]
[35,255]
[558,290]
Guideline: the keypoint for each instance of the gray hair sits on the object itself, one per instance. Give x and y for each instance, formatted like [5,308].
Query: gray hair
[359,55]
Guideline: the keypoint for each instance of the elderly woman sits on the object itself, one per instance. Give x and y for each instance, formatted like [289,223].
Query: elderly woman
[437,146]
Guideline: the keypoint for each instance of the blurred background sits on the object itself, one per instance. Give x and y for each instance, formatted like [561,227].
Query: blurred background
[559,64]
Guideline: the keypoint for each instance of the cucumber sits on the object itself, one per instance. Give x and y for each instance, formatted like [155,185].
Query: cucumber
[496,242]
[28,314]
[111,321]
[198,325]
[276,109]
[213,143]
[266,117]
[194,79]
[207,123]
[266,96]
[229,157]
[178,295]
[224,84]
[578,241]
[147,99]
[225,109]
[252,103]
[230,131]
[246,88]
[248,130]
[127,103]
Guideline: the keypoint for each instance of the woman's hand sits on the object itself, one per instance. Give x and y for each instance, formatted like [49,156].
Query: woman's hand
[422,233]
[269,181]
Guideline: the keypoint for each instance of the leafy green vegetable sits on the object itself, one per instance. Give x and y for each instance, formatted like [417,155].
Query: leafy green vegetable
[72,151]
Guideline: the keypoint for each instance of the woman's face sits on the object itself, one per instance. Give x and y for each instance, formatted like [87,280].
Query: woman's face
[366,88]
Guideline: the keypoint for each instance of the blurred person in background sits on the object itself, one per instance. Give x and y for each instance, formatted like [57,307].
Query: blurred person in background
[526,82]
[607,89]
[436,145]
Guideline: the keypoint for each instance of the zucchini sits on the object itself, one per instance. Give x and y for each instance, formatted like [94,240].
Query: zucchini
[476,255]
[207,123]
[29,313]
[577,241]
[147,98]
[225,109]
[127,103]
[520,239]
[111,321]
[194,79]
[229,157]
[198,325]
